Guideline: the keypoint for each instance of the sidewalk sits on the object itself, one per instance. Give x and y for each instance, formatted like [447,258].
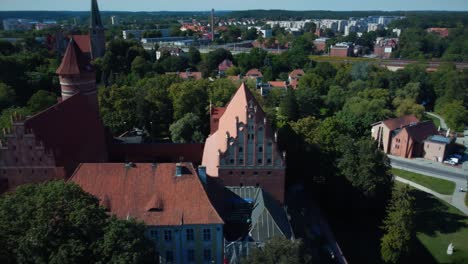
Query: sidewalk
[456,199]
[443,125]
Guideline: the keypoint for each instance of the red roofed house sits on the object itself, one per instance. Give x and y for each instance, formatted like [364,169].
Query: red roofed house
[278,84]
[225,65]
[294,77]
[241,149]
[170,198]
[409,141]
[443,32]
[254,74]
[383,131]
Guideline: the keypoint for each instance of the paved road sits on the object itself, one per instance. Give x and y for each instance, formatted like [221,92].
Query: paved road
[431,169]
[443,125]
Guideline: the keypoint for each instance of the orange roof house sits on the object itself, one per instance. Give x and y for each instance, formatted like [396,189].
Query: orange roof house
[241,149]
[254,73]
[382,131]
[151,192]
[171,200]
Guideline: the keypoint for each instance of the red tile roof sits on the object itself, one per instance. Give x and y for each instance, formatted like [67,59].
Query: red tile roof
[73,130]
[236,109]
[152,194]
[254,73]
[74,62]
[83,42]
[297,73]
[278,84]
[421,131]
[400,122]
[226,64]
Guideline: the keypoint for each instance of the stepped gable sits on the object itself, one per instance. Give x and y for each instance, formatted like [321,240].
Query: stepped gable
[74,62]
[149,192]
[235,111]
[73,131]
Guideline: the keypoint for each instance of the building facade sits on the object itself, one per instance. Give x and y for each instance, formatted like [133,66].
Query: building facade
[171,200]
[241,149]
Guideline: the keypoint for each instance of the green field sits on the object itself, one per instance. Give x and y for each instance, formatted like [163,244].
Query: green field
[437,224]
[435,184]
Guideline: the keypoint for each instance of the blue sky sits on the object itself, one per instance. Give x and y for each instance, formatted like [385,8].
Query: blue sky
[202,5]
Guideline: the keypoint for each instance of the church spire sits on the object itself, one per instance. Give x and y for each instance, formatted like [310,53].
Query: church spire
[97,37]
[96,21]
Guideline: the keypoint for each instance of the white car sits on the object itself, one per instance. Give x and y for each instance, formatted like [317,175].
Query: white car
[451,162]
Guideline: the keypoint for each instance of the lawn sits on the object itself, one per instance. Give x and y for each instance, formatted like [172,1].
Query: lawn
[437,224]
[466,199]
[434,119]
[435,184]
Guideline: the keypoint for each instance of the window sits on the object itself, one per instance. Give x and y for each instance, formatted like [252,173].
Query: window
[168,235]
[242,173]
[241,161]
[269,161]
[206,234]
[190,255]
[189,233]
[257,184]
[232,161]
[260,161]
[230,173]
[260,129]
[154,235]
[260,149]
[255,173]
[169,257]
[241,149]
[269,173]
[207,254]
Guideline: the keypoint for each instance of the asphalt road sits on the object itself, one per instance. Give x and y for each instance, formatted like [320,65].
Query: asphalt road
[429,170]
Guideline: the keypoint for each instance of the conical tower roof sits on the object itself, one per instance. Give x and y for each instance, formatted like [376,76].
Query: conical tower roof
[74,62]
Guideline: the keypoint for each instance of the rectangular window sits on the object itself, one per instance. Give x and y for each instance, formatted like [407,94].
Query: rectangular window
[206,234]
[154,235]
[167,235]
[207,254]
[190,255]
[189,234]
[169,257]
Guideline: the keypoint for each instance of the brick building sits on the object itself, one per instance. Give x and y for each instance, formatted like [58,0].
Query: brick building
[437,147]
[241,149]
[341,50]
[408,142]
[168,197]
[384,131]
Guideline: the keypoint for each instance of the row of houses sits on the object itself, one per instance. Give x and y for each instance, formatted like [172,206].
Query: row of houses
[408,137]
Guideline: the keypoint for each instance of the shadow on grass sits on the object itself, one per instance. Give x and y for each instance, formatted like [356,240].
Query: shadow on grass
[433,215]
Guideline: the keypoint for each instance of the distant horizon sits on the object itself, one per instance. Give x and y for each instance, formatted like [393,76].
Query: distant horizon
[225,5]
[239,10]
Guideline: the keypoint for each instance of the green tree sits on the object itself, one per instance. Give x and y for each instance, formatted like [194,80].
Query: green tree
[41,100]
[140,66]
[456,115]
[57,222]
[279,250]
[398,226]
[189,97]
[221,91]
[366,168]
[408,107]
[288,109]
[187,129]
[194,56]
[7,96]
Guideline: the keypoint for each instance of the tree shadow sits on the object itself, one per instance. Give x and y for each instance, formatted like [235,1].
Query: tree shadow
[433,215]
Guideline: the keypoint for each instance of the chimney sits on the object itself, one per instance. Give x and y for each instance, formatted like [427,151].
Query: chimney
[212,24]
[178,171]
[202,174]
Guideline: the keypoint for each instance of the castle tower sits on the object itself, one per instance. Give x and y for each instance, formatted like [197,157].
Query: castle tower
[96,33]
[77,75]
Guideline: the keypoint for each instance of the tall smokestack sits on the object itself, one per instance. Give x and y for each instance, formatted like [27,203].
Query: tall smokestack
[212,24]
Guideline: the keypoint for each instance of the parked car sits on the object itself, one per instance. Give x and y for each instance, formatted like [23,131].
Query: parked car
[451,162]
[457,156]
